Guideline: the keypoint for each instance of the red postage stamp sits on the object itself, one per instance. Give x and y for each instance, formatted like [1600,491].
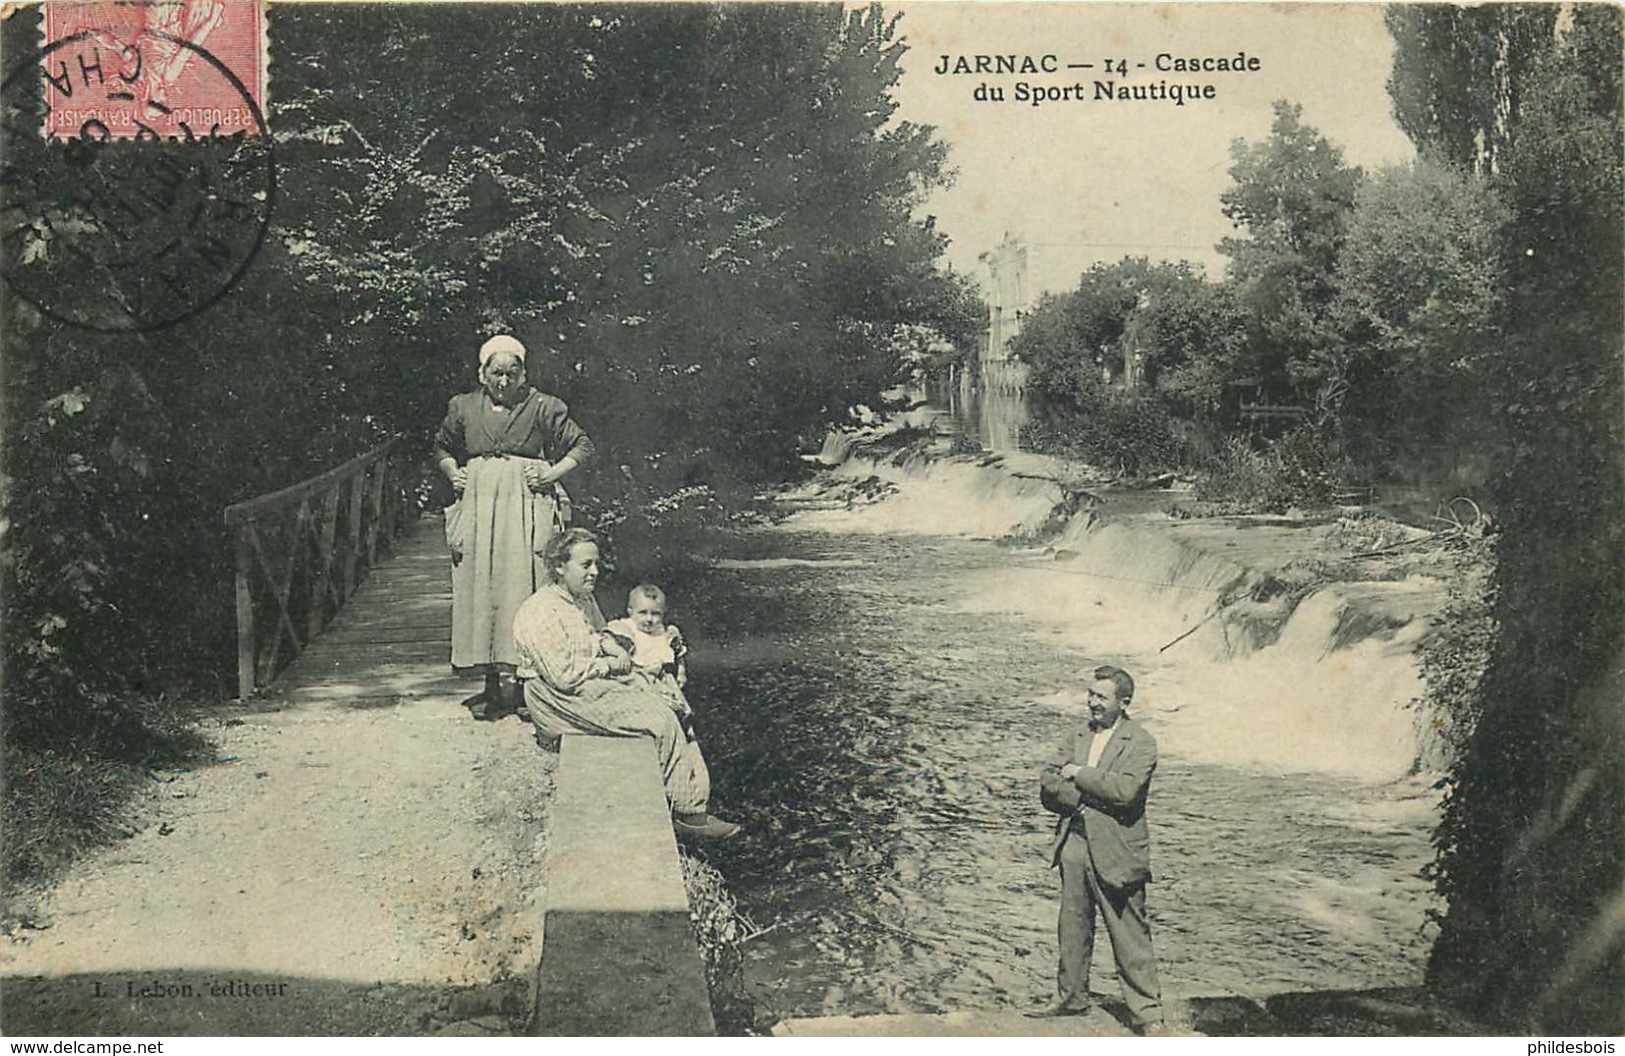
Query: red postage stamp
[154,69]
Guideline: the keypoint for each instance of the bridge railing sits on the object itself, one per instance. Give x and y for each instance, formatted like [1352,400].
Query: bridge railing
[302,551]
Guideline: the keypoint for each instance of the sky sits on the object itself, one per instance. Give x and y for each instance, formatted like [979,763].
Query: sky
[1089,181]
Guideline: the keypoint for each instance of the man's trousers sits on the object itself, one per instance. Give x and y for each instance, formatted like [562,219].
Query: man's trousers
[1126,926]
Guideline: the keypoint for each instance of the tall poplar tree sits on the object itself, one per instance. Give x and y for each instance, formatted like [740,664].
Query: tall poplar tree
[1461,75]
[1530,845]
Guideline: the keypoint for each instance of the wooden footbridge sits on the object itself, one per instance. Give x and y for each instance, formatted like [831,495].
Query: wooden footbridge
[343,591]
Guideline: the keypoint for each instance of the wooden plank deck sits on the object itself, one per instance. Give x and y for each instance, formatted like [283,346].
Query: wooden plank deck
[393,638]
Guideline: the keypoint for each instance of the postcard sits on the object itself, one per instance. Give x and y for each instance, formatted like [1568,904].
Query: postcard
[923,519]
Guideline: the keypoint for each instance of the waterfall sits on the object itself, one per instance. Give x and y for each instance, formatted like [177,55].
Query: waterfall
[978,497]
[1244,659]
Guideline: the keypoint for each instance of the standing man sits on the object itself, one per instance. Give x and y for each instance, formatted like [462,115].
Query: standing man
[1097,782]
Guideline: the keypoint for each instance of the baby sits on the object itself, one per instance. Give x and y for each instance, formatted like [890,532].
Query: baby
[658,650]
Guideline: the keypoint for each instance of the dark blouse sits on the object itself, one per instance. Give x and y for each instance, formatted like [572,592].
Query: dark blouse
[538,427]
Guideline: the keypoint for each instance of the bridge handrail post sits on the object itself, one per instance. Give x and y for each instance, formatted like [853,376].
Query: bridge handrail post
[321,571]
[389,504]
[352,552]
[245,612]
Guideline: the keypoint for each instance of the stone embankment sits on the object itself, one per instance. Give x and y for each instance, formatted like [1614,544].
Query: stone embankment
[617,911]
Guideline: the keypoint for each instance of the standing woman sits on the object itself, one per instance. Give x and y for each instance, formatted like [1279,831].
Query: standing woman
[503,447]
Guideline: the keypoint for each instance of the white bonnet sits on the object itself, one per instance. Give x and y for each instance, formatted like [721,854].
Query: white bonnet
[501,344]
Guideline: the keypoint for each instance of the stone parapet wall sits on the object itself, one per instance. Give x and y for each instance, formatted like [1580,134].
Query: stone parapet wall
[618,952]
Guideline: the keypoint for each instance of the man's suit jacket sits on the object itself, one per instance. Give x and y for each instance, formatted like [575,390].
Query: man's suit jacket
[1107,801]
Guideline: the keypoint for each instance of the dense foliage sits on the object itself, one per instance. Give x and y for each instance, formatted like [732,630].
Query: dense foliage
[1152,367]
[1364,331]
[1462,74]
[1419,311]
[698,219]
[1118,360]
[1529,856]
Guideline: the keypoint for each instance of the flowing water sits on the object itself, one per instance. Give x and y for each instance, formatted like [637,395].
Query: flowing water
[876,700]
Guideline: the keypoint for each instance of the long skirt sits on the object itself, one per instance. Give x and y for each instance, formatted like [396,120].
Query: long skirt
[496,532]
[609,708]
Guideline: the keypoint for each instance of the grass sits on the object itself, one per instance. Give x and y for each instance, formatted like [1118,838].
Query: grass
[56,807]
[61,802]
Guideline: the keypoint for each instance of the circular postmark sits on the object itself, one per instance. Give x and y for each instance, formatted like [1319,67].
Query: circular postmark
[115,234]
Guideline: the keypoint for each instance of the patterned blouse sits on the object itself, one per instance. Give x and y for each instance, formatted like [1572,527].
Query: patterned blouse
[558,642]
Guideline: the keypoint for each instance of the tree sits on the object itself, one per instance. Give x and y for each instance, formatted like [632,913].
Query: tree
[1461,76]
[1193,334]
[1131,316]
[1065,338]
[957,327]
[1292,195]
[1420,312]
[1133,344]
[1528,849]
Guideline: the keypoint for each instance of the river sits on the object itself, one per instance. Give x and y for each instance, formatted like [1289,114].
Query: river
[878,726]
[990,415]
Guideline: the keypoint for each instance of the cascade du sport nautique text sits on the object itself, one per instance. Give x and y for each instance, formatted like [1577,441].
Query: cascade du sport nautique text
[1112,78]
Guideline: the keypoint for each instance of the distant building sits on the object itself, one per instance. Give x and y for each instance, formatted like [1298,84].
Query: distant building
[1006,283]
[1137,345]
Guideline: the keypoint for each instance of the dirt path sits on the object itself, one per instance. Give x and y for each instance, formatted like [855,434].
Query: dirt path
[343,870]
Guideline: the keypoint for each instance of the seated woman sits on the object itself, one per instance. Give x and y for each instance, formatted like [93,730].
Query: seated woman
[575,682]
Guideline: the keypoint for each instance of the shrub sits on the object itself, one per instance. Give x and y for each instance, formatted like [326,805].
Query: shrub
[1305,468]
[1131,434]
[1456,654]
[719,930]
[1292,472]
